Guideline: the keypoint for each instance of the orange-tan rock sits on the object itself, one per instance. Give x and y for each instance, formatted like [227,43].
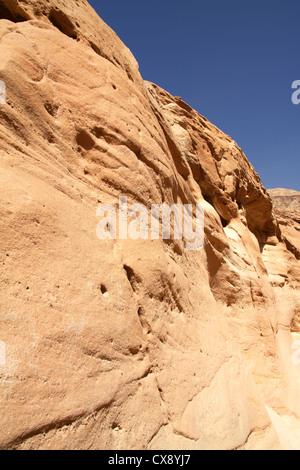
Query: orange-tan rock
[132,344]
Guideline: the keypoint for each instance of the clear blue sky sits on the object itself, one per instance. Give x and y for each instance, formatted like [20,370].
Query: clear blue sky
[234,61]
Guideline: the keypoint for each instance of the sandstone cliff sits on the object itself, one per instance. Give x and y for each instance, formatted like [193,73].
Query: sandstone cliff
[124,344]
[285,199]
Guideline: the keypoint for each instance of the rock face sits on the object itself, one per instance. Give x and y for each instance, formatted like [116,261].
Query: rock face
[285,199]
[132,344]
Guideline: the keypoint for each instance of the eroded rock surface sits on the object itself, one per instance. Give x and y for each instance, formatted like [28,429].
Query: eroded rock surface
[131,344]
[285,199]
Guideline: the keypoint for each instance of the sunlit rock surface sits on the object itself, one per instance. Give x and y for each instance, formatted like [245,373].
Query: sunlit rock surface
[132,344]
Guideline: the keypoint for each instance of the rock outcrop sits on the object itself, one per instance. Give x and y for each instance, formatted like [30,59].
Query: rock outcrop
[132,344]
[285,199]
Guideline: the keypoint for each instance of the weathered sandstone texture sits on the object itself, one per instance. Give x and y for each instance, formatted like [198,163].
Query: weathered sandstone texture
[124,344]
[285,199]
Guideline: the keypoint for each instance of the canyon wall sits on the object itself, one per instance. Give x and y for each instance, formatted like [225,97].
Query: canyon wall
[285,199]
[132,344]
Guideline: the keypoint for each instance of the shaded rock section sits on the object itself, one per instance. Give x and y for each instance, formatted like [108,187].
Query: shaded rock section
[131,344]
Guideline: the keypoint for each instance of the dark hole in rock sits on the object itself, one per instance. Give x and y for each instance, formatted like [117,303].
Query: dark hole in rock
[103,289]
[6,14]
[62,22]
[85,140]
